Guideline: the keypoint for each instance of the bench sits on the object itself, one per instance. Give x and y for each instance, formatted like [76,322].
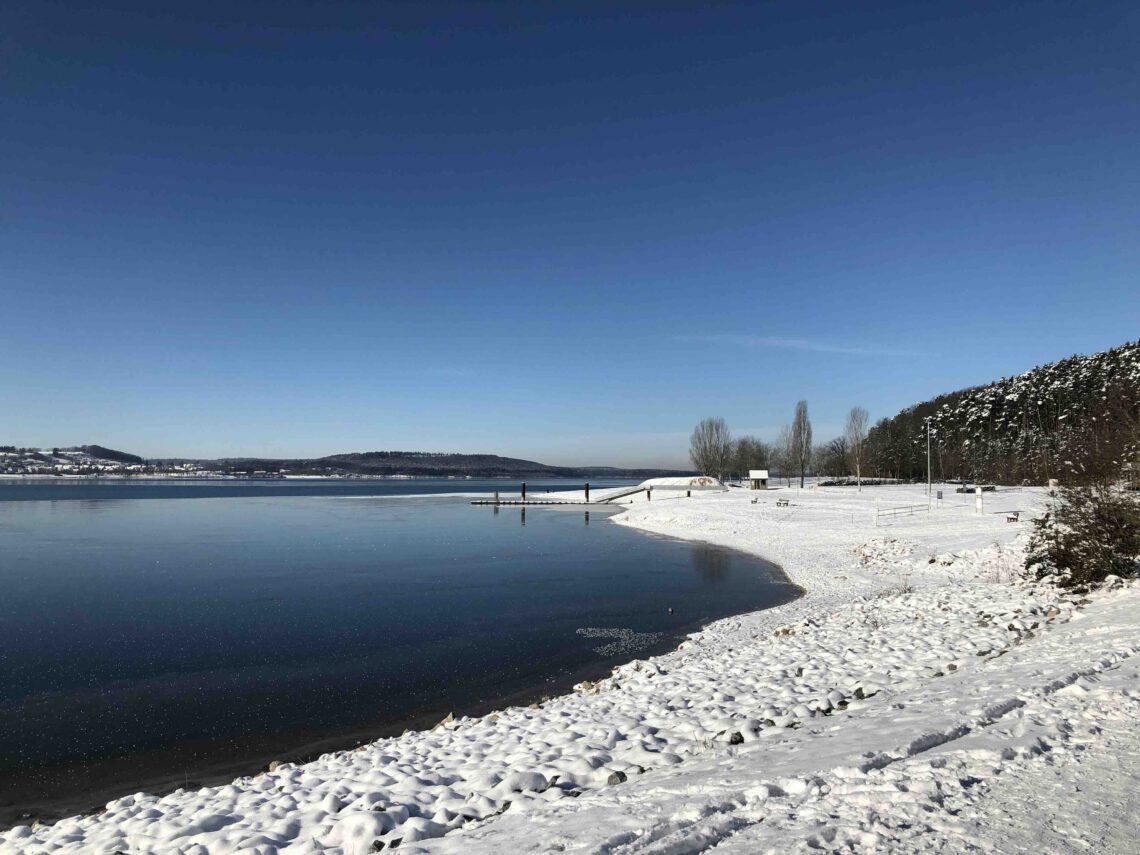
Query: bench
[1012,516]
[782,503]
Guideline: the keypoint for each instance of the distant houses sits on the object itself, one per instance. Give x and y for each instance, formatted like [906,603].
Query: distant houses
[73,462]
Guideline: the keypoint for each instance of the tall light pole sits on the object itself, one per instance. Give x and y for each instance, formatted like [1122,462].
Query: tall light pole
[928,456]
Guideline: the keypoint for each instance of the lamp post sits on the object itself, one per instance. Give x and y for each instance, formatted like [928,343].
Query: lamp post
[928,457]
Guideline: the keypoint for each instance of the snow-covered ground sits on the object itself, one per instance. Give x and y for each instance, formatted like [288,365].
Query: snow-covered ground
[919,697]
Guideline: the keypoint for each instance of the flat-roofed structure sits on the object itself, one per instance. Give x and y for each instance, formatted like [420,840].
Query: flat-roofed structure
[758,479]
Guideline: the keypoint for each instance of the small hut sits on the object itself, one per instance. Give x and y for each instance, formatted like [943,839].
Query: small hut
[758,479]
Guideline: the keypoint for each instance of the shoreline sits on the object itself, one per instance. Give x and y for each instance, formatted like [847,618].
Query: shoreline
[924,613]
[995,720]
[161,783]
[160,773]
[56,489]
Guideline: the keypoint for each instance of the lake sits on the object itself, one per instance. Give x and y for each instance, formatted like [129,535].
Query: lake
[148,640]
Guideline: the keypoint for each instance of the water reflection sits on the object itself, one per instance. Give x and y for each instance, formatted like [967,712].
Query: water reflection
[87,506]
[137,628]
[712,564]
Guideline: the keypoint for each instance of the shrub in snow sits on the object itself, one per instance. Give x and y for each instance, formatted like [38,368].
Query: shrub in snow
[1088,536]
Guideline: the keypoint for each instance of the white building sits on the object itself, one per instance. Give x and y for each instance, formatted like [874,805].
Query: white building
[758,479]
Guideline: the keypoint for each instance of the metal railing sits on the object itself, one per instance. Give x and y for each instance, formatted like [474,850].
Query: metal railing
[899,510]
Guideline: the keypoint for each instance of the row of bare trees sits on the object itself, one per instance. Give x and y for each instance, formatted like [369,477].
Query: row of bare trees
[846,454]
[713,451]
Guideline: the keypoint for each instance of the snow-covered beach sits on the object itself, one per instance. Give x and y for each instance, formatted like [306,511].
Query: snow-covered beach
[919,697]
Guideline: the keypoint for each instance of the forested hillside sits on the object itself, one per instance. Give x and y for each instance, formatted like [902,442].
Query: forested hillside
[1077,420]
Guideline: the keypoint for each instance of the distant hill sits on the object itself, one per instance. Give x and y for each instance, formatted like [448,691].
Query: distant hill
[96,459]
[102,453]
[424,464]
[1077,419]
[81,460]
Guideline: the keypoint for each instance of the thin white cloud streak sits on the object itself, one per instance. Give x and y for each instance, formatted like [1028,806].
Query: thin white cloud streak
[442,371]
[813,345]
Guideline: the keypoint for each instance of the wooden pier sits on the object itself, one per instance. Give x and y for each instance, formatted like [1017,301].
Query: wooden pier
[532,502]
[523,500]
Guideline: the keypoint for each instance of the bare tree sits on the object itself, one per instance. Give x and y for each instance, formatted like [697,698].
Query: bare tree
[834,458]
[710,447]
[750,453]
[856,433]
[801,440]
[785,453]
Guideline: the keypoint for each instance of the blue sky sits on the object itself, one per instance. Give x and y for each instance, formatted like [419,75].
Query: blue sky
[558,231]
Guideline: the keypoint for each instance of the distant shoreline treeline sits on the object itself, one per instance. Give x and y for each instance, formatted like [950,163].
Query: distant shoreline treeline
[423,464]
[96,460]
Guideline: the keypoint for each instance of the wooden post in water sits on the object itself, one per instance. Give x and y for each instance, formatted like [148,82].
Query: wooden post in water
[524,491]
[587,496]
[496,498]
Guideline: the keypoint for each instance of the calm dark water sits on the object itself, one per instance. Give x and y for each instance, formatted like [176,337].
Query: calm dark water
[145,641]
[54,489]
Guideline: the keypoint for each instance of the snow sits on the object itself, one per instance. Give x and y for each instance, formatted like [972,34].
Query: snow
[692,482]
[920,696]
